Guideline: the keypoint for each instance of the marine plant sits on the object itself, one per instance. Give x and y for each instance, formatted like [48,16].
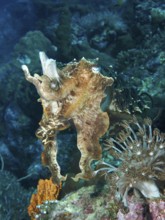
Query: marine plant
[71,95]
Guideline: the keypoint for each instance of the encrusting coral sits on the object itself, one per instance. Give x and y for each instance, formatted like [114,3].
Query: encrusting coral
[154,210]
[46,191]
[73,94]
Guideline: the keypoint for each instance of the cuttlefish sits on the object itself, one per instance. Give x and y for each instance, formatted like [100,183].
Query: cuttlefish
[71,95]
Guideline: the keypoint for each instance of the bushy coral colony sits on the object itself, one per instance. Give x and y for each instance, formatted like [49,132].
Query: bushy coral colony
[140,152]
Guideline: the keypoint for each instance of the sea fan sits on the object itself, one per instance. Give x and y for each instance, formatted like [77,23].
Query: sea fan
[140,151]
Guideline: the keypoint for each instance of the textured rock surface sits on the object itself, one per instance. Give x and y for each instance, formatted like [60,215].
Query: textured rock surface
[84,204]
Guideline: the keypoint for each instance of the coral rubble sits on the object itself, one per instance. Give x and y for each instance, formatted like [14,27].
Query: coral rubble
[73,94]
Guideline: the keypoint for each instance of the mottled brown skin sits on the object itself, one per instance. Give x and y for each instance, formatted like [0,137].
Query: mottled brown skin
[77,99]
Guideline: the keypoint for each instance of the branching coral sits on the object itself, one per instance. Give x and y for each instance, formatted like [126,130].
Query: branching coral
[46,190]
[141,154]
[71,94]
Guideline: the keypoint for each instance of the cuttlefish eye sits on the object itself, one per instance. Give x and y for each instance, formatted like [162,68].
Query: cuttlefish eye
[54,85]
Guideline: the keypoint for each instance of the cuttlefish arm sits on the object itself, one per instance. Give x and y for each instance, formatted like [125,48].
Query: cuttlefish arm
[48,83]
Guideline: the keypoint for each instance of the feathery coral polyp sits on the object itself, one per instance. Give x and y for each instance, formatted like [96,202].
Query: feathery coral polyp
[141,152]
[71,94]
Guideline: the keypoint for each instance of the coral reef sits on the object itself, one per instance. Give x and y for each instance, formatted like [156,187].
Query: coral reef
[46,191]
[71,94]
[135,177]
[128,38]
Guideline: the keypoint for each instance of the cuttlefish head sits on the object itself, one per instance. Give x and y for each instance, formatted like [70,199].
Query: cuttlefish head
[49,82]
